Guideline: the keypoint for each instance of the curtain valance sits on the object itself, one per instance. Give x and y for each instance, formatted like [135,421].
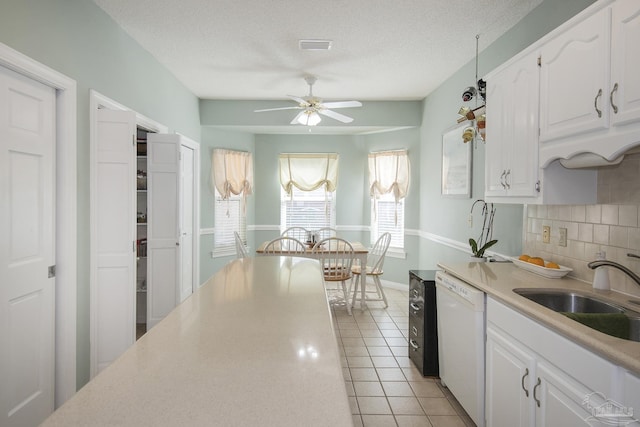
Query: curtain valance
[389,172]
[308,171]
[232,172]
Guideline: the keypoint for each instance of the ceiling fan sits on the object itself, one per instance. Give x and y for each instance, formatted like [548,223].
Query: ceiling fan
[312,107]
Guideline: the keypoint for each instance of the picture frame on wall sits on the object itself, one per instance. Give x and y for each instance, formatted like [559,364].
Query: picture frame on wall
[456,163]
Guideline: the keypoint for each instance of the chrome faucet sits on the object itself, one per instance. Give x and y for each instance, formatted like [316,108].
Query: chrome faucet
[595,264]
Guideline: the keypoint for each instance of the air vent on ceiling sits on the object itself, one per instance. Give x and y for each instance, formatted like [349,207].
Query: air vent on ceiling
[314,44]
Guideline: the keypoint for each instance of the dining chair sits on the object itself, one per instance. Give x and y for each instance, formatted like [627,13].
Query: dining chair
[373,269]
[299,233]
[241,250]
[285,246]
[336,259]
[324,232]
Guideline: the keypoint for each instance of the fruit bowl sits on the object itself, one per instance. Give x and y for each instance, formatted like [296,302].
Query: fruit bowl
[550,273]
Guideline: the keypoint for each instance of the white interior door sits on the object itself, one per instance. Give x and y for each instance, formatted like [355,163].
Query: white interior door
[27,292]
[187,162]
[113,293]
[163,240]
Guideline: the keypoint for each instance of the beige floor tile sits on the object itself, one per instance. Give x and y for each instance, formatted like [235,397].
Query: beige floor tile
[359,362]
[436,406]
[387,326]
[353,342]
[426,389]
[412,374]
[373,405]
[391,374]
[356,351]
[446,421]
[397,388]
[396,342]
[371,333]
[368,388]
[391,333]
[350,390]
[350,333]
[353,403]
[384,362]
[404,405]
[404,361]
[378,421]
[400,351]
[379,351]
[363,374]
[357,421]
[374,342]
[413,421]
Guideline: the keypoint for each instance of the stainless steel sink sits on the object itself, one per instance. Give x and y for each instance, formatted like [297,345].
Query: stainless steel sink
[589,310]
[568,301]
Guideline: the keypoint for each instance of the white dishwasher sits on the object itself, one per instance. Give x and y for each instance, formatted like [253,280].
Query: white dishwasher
[461,338]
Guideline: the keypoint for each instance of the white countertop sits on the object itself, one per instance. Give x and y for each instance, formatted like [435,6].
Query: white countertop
[254,346]
[500,279]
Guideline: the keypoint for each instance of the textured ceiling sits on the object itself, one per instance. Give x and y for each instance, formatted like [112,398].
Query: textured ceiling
[248,49]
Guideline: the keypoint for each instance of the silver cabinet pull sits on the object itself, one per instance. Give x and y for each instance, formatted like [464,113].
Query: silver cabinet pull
[595,103]
[414,330]
[614,106]
[414,345]
[414,306]
[504,172]
[506,179]
[535,389]
[526,374]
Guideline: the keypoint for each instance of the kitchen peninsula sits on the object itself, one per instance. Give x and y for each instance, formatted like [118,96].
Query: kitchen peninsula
[253,346]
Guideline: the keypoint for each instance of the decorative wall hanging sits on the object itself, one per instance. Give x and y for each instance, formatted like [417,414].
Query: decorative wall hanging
[475,116]
[456,164]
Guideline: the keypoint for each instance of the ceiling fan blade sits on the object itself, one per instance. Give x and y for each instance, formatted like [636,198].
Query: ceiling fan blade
[299,100]
[342,104]
[297,107]
[336,116]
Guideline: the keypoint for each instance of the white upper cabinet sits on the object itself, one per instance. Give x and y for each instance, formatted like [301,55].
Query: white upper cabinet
[574,83]
[625,62]
[511,165]
[589,89]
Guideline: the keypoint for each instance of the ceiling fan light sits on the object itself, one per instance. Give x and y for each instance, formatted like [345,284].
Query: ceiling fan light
[309,118]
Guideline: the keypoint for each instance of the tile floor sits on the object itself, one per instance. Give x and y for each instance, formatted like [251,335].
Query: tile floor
[384,387]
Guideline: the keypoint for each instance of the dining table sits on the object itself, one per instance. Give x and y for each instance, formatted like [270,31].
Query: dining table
[360,253]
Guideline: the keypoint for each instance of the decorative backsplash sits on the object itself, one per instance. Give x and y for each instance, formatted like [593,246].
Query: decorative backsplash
[612,226]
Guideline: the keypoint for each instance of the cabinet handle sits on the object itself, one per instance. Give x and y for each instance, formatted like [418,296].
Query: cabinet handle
[415,307]
[415,293]
[504,172]
[535,395]
[615,107]
[595,103]
[414,345]
[506,179]
[414,330]
[526,374]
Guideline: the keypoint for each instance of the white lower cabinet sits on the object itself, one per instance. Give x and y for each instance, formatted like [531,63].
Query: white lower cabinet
[535,377]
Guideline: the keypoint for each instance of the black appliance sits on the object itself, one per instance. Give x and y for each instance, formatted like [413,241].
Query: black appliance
[423,329]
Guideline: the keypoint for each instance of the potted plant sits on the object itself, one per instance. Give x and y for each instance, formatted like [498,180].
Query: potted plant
[485,241]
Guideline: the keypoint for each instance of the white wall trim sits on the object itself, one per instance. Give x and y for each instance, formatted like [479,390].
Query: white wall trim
[66,214]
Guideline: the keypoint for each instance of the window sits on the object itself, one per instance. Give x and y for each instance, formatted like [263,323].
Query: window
[307,198]
[229,217]
[232,175]
[389,180]
[309,209]
[383,220]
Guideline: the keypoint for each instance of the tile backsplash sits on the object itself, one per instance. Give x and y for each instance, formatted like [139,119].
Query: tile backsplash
[612,226]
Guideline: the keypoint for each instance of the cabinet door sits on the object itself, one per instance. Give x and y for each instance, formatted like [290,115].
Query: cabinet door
[511,161]
[560,399]
[509,381]
[625,62]
[163,240]
[523,84]
[574,92]
[499,134]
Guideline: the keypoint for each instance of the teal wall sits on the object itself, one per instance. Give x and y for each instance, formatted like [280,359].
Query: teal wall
[448,217]
[76,38]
